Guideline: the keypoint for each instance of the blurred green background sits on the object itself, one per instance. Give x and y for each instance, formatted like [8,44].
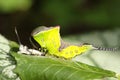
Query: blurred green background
[74,16]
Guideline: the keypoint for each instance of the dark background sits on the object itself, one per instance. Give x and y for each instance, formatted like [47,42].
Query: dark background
[74,16]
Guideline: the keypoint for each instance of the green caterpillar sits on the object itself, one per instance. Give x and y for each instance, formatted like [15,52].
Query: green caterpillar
[49,39]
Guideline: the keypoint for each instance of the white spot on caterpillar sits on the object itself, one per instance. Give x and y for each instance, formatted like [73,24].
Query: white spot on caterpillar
[25,50]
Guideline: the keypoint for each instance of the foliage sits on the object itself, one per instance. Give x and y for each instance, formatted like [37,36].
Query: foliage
[29,67]
[44,68]
[9,6]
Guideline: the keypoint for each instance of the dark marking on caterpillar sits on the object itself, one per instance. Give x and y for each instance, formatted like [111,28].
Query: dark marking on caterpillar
[63,45]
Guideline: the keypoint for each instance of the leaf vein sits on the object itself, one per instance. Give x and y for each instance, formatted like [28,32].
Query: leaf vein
[57,72]
[71,75]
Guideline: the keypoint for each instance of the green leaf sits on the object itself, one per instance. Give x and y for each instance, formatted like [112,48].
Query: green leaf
[45,68]
[7,62]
